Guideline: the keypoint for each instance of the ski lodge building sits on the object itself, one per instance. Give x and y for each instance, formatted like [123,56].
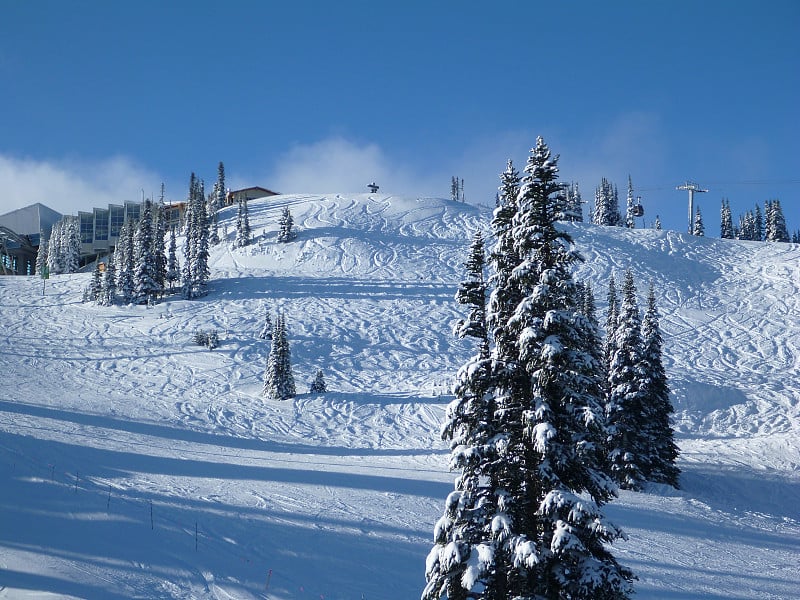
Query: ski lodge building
[20,229]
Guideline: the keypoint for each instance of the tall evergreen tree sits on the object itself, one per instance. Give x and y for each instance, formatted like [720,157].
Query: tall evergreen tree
[726,221]
[776,223]
[213,237]
[472,292]
[503,259]
[145,274]
[266,331]
[195,272]
[159,244]
[612,315]
[125,275]
[95,285]
[72,255]
[55,261]
[606,204]
[173,268]
[220,189]
[41,253]
[243,236]
[554,483]
[630,207]
[758,224]
[663,452]
[625,408]
[698,229]
[465,554]
[574,204]
[278,378]
[108,289]
[286,232]
[524,520]
[657,223]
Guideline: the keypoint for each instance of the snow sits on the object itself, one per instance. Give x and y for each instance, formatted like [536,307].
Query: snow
[109,413]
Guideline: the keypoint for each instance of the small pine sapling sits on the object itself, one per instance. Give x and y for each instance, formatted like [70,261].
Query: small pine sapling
[318,385]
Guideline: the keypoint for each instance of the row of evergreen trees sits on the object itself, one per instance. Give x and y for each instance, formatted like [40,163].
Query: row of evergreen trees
[754,225]
[61,252]
[539,428]
[141,268]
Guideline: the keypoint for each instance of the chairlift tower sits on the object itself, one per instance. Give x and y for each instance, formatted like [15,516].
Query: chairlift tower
[691,187]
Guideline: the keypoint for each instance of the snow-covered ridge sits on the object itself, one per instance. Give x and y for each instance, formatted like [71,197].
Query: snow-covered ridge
[107,411]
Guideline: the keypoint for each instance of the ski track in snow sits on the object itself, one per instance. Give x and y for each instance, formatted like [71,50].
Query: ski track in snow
[109,413]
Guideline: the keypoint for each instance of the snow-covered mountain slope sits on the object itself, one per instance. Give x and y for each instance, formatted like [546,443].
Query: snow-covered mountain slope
[134,463]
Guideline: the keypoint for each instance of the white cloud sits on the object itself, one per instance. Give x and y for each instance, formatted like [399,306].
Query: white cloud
[344,166]
[341,165]
[71,186]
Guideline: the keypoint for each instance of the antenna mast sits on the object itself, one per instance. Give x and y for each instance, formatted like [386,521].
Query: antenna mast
[692,187]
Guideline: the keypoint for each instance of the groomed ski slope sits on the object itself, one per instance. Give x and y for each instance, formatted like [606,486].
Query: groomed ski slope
[135,464]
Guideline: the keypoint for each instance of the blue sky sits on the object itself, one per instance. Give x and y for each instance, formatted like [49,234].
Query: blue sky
[103,100]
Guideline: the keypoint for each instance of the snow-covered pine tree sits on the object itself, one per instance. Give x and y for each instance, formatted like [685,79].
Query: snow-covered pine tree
[278,378]
[573,208]
[41,253]
[465,554]
[612,314]
[745,226]
[243,235]
[55,259]
[286,232]
[93,294]
[159,244]
[318,385]
[472,292]
[551,465]
[606,204]
[726,221]
[698,229]
[758,224]
[108,288]
[657,223]
[266,331]
[189,242]
[72,253]
[776,223]
[661,467]
[588,309]
[503,258]
[173,268]
[219,188]
[200,269]
[625,408]
[125,276]
[213,237]
[145,286]
[195,271]
[630,215]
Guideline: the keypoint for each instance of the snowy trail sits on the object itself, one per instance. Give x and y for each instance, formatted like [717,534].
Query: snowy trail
[105,412]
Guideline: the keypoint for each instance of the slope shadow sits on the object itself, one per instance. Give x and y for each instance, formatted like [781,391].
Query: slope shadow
[200,437]
[116,550]
[332,287]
